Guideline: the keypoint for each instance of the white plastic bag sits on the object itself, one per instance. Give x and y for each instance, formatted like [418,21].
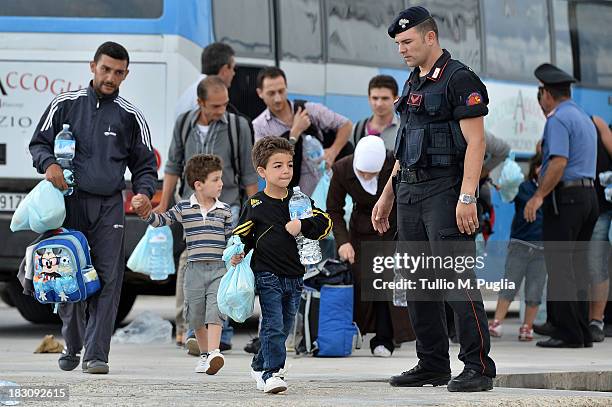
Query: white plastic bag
[41,210]
[509,180]
[147,327]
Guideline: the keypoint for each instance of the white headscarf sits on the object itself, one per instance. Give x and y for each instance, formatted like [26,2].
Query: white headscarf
[369,156]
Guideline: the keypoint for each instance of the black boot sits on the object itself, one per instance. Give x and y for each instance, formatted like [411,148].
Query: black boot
[470,380]
[545,329]
[418,376]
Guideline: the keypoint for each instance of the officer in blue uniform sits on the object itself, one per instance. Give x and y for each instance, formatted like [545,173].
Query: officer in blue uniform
[439,150]
[567,195]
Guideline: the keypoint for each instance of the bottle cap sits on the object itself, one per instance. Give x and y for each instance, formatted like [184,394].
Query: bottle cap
[296,189]
[65,126]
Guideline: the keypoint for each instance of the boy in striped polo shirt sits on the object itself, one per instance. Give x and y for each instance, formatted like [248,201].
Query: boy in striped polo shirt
[208,224]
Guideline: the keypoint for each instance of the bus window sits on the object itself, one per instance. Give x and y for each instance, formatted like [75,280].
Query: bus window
[357,32]
[459,28]
[300,23]
[595,51]
[516,37]
[563,45]
[83,8]
[246,25]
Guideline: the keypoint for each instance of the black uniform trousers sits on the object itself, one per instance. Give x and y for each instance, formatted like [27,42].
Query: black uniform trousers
[91,323]
[569,216]
[433,221]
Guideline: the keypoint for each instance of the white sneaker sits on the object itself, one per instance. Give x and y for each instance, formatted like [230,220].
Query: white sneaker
[275,384]
[381,352]
[202,366]
[215,362]
[257,376]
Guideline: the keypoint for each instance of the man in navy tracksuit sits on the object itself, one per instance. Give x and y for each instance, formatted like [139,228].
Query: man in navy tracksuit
[111,134]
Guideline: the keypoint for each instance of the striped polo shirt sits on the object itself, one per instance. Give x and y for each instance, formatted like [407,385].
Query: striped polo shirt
[207,232]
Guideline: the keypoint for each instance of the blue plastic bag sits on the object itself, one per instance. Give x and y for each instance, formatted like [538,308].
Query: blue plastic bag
[509,180]
[153,254]
[41,210]
[319,196]
[236,295]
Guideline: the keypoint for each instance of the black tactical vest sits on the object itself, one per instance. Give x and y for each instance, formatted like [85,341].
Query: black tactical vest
[428,135]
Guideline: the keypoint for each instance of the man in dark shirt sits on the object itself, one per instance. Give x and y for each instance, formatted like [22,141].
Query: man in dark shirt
[111,134]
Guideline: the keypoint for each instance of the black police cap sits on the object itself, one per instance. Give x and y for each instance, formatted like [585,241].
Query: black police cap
[408,19]
[549,74]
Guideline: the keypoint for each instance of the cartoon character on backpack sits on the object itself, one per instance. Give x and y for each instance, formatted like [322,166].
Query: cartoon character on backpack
[48,262]
[54,274]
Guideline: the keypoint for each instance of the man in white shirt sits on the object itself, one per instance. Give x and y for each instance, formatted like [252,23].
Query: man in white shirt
[217,59]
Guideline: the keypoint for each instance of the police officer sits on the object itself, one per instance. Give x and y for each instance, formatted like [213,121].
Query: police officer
[111,134]
[567,195]
[439,150]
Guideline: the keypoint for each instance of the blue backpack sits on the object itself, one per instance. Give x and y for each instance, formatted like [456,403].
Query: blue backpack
[62,268]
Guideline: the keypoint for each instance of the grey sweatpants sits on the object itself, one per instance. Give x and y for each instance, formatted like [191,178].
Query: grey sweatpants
[91,323]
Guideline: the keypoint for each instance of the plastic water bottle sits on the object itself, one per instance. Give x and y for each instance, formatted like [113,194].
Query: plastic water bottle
[300,208]
[159,267]
[64,150]
[5,395]
[608,193]
[314,153]
[605,178]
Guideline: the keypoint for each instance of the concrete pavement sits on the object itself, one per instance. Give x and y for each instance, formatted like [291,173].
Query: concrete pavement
[158,374]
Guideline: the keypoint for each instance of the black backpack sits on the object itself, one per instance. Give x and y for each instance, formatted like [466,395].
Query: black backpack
[328,138]
[234,137]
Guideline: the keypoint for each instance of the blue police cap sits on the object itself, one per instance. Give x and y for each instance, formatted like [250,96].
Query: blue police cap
[408,19]
[549,74]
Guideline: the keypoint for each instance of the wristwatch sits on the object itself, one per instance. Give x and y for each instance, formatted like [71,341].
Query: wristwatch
[292,140]
[467,199]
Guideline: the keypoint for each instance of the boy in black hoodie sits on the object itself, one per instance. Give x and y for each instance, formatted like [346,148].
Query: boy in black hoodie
[266,227]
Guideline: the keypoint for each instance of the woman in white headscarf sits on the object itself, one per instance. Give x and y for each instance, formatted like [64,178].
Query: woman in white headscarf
[363,176]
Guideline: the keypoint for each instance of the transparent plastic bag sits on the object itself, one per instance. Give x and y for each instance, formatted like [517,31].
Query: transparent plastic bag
[41,210]
[153,254]
[509,180]
[147,327]
[236,295]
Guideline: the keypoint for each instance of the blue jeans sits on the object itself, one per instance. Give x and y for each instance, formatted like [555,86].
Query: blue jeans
[279,298]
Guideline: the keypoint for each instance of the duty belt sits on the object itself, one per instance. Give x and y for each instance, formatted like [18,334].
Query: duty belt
[416,175]
[584,182]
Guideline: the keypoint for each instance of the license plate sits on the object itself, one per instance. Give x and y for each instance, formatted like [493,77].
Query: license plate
[9,201]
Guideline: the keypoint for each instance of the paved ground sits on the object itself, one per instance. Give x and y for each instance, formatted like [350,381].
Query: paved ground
[163,375]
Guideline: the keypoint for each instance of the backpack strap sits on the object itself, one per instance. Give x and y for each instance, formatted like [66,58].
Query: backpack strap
[234,137]
[184,132]
[184,129]
[359,131]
